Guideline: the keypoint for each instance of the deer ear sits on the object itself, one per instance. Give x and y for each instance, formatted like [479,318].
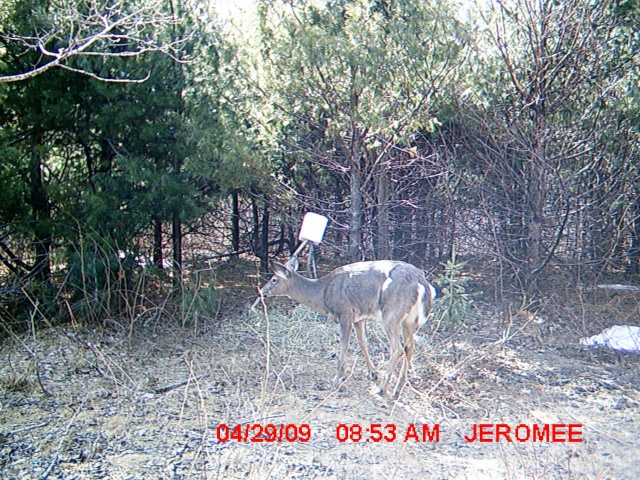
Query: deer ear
[280,270]
[293,264]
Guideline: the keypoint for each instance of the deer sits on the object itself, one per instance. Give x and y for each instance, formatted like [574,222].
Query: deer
[392,292]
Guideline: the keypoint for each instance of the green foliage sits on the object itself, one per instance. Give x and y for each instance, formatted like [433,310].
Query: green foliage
[346,85]
[197,303]
[357,63]
[12,205]
[496,113]
[28,305]
[455,304]
[88,166]
[96,266]
[100,276]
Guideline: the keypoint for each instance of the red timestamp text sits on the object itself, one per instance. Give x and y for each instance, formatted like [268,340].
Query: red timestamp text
[269,433]
[389,432]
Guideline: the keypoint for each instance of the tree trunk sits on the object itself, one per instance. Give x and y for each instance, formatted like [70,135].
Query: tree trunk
[255,237]
[41,206]
[383,250]
[235,224]
[176,242]
[536,198]
[176,236]
[264,239]
[157,243]
[634,250]
[355,209]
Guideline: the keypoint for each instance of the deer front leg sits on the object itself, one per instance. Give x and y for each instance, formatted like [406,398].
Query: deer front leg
[345,333]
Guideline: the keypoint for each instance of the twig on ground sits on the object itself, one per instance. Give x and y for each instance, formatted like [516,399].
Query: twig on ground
[179,384]
[32,354]
[30,427]
[56,456]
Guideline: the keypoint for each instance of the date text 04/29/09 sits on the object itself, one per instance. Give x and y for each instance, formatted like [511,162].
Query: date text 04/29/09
[389,432]
[480,432]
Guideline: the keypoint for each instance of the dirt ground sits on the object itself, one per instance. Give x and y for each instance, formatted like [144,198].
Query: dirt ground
[147,401]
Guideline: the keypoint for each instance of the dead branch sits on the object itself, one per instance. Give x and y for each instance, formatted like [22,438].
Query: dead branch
[179,384]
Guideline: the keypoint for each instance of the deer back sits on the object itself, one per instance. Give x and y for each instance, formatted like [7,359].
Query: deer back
[378,288]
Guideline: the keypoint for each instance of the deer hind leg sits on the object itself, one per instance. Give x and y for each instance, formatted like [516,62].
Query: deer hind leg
[395,351]
[362,341]
[408,329]
[345,333]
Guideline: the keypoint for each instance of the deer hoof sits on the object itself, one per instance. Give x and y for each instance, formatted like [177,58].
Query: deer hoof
[376,390]
[336,384]
[324,386]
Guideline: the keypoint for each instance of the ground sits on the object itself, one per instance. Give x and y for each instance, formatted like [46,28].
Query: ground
[147,398]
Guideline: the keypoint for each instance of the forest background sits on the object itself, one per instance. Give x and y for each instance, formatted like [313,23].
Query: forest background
[145,143]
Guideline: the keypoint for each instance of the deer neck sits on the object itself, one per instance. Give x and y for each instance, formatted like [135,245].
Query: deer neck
[309,292]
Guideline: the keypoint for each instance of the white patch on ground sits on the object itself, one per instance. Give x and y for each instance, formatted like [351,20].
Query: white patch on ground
[623,338]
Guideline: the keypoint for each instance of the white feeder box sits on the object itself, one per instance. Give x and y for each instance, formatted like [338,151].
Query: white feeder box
[313,227]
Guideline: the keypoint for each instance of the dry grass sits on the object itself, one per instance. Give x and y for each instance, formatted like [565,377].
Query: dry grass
[145,400]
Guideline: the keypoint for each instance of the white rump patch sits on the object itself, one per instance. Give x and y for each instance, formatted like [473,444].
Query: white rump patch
[420,304]
[386,283]
[434,293]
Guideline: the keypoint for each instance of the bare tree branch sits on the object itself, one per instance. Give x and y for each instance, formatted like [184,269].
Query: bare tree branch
[104,31]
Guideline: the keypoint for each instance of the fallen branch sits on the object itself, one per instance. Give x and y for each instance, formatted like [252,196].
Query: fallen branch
[180,384]
[26,429]
[616,287]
